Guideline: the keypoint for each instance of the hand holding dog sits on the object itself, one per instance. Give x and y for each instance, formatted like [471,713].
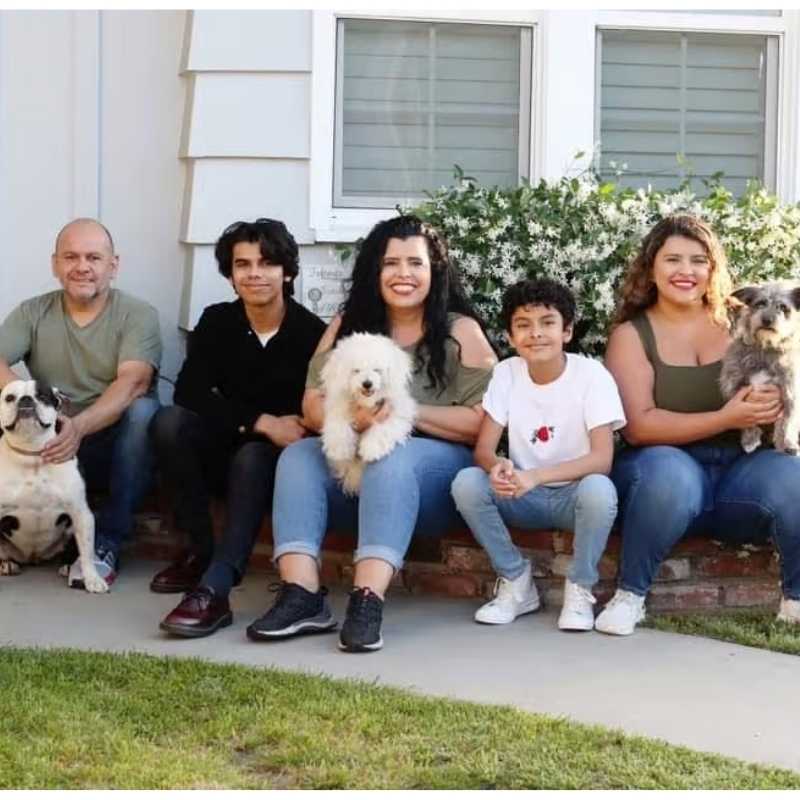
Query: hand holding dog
[281,431]
[364,418]
[65,444]
[753,406]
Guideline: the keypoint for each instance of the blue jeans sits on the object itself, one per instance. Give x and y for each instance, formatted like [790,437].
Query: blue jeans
[669,492]
[405,493]
[587,507]
[119,459]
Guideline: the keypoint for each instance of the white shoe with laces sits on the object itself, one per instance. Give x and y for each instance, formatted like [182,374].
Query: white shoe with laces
[789,611]
[577,613]
[623,612]
[511,598]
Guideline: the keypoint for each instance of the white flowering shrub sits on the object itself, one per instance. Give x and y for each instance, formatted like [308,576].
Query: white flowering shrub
[582,232]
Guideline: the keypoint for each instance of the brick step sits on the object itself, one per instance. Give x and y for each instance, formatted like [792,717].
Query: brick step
[699,574]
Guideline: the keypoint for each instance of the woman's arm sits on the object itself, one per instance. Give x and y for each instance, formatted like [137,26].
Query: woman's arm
[460,423]
[649,425]
[313,415]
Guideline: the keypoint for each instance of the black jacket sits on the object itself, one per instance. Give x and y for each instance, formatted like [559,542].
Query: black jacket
[230,378]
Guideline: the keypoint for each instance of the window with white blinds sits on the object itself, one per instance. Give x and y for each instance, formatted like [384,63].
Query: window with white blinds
[413,99]
[710,98]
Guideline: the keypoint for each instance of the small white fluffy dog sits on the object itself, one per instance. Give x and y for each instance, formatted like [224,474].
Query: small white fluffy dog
[364,371]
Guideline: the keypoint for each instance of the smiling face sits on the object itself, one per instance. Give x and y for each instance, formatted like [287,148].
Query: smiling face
[84,263]
[405,278]
[258,281]
[538,334]
[681,271]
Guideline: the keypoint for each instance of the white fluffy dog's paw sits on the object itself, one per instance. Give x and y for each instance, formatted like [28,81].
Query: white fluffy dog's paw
[351,480]
[751,439]
[339,440]
[9,567]
[94,583]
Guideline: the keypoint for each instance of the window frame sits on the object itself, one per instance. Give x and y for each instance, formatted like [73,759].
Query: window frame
[771,91]
[341,224]
[384,202]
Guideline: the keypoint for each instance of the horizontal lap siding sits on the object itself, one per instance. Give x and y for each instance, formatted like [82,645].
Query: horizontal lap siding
[412,109]
[649,88]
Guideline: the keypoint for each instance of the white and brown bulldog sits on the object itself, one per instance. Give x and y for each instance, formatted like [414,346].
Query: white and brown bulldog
[41,505]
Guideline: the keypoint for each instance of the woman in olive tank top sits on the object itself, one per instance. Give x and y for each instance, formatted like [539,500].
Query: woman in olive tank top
[684,471]
[403,286]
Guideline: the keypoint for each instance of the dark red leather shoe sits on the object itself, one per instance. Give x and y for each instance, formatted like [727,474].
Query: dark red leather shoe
[200,613]
[180,576]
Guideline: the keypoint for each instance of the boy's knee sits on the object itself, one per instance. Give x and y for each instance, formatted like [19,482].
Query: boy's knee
[597,494]
[166,425]
[470,485]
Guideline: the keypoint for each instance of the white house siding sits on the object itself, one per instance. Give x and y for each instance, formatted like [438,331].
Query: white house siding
[91,105]
[247,135]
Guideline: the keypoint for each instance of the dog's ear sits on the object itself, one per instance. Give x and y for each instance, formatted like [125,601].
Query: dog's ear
[399,372]
[795,295]
[745,295]
[49,395]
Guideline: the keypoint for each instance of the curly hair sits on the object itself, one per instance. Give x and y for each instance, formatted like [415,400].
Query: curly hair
[541,292]
[277,245]
[639,291]
[364,310]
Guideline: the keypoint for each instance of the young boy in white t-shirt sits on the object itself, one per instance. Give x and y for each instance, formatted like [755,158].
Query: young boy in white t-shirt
[560,410]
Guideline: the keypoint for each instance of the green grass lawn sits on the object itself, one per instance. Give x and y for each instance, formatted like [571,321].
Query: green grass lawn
[753,627]
[79,720]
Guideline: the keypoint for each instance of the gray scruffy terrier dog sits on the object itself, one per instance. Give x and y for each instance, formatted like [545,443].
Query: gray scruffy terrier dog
[766,349]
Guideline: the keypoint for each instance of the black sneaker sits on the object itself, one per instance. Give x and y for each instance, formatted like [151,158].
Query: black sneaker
[295,611]
[361,631]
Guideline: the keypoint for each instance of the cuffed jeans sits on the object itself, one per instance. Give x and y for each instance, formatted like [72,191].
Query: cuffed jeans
[587,507]
[405,493]
[119,459]
[196,461]
[668,492]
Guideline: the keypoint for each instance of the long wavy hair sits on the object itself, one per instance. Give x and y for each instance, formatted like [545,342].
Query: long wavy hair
[639,290]
[364,310]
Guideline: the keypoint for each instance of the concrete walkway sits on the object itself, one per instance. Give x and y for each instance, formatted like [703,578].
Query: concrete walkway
[707,695]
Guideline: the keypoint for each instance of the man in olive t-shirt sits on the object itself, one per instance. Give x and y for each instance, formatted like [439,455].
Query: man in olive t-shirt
[101,348]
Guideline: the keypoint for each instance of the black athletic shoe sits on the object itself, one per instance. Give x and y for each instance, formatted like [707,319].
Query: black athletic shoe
[295,611]
[361,631]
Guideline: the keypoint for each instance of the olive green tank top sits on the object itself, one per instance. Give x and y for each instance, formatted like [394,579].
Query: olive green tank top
[684,389]
[464,386]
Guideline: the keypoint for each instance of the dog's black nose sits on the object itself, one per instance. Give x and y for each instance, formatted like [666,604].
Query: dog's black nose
[26,401]
[768,320]
[367,384]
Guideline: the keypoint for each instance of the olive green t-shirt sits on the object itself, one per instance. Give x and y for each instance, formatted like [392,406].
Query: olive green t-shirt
[684,389]
[464,386]
[81,362]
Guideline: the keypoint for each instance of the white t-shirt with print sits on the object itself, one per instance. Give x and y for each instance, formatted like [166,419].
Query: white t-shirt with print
[550,423]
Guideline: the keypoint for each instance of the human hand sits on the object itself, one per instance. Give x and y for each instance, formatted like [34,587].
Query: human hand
[753,406]
[525,480]
[364,418]
[282,431]
[66,442]
[501,478]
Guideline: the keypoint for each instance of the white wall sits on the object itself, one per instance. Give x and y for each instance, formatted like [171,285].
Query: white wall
[91,105]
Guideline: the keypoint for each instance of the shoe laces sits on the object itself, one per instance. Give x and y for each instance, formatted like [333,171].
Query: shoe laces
[202,595]
[577,595]
[624,598]
[364,606]
[291,596]
[503,591]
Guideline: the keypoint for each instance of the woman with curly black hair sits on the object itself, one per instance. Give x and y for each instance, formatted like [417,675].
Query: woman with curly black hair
[403,286]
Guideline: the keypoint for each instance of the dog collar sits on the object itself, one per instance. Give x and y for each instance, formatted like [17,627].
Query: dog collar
[24,452]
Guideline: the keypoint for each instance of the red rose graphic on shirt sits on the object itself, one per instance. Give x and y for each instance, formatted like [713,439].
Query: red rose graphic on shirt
[543,434]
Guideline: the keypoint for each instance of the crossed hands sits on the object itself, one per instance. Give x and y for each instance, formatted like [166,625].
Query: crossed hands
[509,482]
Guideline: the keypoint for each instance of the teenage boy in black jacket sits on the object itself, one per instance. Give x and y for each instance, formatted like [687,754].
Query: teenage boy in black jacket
[237,405]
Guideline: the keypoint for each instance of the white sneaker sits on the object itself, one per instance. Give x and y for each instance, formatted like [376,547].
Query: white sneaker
[511,598]
[789,611]
[621,615]
[577,613]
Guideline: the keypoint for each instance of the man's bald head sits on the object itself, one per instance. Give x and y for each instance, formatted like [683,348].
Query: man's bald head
[85,222]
